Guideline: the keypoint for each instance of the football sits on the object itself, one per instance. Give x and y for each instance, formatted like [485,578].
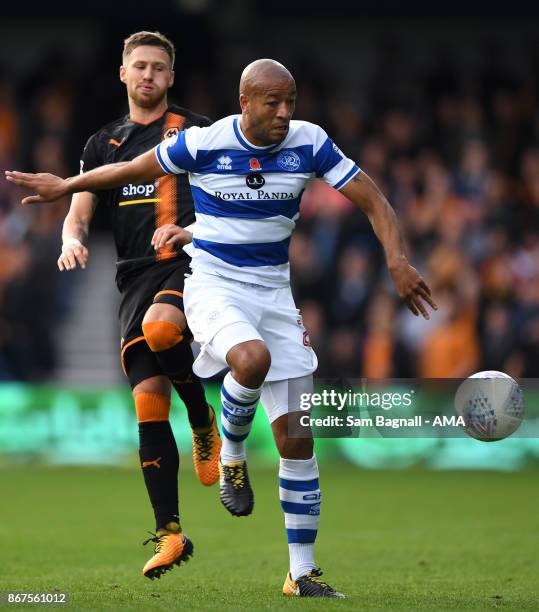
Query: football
[491,404]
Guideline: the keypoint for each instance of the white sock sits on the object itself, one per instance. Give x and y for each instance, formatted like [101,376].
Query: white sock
[238,407]
[301,559]
[299,493]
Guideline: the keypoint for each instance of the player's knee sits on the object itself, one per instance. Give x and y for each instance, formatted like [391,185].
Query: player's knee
[250,362]
[293,448]
[161,335]
[152,407]
[166,312]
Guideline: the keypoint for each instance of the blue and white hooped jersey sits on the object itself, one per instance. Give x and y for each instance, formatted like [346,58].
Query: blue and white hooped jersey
[247,198]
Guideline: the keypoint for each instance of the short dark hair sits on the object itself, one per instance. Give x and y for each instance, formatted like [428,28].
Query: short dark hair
[155,39]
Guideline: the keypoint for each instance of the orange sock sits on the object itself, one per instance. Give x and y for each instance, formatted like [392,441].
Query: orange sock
[152,407]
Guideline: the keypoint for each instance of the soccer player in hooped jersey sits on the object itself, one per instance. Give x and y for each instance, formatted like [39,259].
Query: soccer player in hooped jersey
[247,175]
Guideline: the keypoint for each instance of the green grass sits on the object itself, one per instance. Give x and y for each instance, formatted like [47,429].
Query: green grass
[411,540]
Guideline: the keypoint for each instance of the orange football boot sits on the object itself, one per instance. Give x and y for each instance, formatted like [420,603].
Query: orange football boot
[171,548]
[206,449]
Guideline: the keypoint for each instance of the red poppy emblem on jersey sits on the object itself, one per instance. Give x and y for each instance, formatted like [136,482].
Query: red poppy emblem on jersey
[254,164]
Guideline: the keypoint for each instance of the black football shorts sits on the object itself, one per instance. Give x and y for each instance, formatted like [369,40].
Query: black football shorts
[159,283]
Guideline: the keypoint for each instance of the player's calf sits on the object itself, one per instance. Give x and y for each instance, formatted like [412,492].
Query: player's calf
[160,462]
[299,489]
[158,454]
[238,408]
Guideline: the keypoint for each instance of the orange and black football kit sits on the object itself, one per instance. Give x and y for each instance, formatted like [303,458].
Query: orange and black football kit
[145,277]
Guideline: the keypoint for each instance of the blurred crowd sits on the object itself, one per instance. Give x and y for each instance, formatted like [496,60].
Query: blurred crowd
[33,135]
[458,158]
[456,153]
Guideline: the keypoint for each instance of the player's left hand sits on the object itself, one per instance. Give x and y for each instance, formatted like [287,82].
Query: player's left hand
[170,234]
[412,288]
[48,187]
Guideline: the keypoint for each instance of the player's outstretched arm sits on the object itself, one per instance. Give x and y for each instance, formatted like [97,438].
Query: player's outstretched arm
[75,231]
[411,287]
[49,187]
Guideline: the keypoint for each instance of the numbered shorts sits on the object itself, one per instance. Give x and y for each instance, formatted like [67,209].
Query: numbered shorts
[223,312]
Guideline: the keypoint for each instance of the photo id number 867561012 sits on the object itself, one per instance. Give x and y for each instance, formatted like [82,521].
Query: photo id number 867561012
[54,598]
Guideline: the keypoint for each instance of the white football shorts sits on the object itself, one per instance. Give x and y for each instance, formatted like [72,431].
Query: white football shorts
[222,313]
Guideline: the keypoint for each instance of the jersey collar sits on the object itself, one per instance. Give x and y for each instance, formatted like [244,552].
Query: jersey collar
[250,147]
[149,122]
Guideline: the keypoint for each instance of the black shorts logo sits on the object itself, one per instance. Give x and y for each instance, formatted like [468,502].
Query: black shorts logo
[255,180]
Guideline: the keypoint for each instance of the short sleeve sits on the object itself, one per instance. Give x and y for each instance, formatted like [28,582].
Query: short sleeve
[330,163]
[91,157]
[179,153]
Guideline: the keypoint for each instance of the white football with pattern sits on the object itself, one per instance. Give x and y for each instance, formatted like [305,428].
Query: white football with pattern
[492,405]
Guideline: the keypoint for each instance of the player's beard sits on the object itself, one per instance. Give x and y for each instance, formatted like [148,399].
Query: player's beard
[148,101]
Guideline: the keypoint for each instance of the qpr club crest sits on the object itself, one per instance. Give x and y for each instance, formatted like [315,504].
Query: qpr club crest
[288,160]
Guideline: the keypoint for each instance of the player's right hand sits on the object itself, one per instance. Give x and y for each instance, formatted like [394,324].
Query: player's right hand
[412,288]
[170,234]
[48,187]
[73,252]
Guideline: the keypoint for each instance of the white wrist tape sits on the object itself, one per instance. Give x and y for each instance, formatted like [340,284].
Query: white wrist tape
[71,243]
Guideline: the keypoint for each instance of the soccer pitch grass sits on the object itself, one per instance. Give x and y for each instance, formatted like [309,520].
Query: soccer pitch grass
[406,540]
